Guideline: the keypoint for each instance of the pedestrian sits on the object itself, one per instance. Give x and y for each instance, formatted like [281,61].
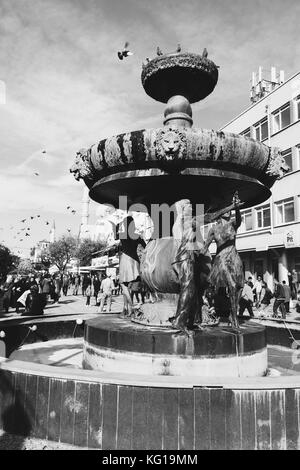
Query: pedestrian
[46,285]
[96,285]
[257,290]
[57,289]
[279,295]
[106,289]
[88,293]
[65,284]
[7,293]
[246,300]
[76,284]
[21,302]
[35,302]
[294,283]
[287,292]
[135,289]
[86,282]
[266,296]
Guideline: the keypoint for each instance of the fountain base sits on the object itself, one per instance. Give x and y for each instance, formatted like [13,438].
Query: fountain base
[112,344]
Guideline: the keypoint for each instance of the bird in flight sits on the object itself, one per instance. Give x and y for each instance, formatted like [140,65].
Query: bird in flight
[73,211]
[27,234]
[36,173]
[21,239]
[69,230]
[38,216]
[24,220]
[47,223]
[125,52]
[32,217]
[44,151]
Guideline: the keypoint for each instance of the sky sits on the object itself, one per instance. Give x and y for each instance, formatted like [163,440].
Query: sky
[66,89]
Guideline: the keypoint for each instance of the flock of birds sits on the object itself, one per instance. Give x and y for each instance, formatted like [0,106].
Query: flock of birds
[20,230]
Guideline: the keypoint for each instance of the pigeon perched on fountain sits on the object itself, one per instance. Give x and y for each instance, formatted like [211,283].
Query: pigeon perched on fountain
[158,51]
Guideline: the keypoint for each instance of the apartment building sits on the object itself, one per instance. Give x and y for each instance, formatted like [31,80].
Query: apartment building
[269,237]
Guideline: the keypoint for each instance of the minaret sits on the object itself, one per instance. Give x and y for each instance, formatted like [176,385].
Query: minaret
[85,203]
[52,233]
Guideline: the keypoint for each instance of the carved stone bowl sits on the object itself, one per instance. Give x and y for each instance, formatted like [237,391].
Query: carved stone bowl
[165,165]
[186,74]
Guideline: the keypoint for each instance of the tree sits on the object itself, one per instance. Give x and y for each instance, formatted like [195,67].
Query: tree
[25,267]
[85,250]
[61,251]
[8,261]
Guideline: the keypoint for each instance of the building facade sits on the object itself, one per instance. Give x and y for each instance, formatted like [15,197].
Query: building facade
[269,237]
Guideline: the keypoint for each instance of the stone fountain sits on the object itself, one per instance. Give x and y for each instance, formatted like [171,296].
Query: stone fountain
[168,165]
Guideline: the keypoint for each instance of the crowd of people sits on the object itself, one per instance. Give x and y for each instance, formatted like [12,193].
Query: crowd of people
[259,295]
[29,295]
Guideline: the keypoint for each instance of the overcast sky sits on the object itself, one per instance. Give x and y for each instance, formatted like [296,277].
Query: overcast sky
[66,88]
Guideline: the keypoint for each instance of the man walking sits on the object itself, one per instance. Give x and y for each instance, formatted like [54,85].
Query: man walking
[106,288]
[287,293]
[279,300]
[294,283]
[246,300]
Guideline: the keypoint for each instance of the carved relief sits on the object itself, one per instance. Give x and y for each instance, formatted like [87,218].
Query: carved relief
[96,157]
[150,143]
[171,144]
[82,167]
[127,146]
[112,152]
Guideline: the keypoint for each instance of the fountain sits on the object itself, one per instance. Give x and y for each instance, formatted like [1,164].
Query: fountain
[185,168]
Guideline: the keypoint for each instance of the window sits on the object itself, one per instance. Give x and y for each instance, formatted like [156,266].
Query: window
[287,155]
[246,220]
[263,216]
[281,118]
[261,130]
[285,211]
[246,133]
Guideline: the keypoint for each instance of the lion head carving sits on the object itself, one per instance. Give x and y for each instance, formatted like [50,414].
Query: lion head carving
[82,167]
[171,144]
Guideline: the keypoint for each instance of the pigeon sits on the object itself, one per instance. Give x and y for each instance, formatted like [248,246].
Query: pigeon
[69,230]
[47,223]
[158,51]
[44,151]
[204,53]
[24,220]
[38,216]
[27,234]
[22,229]
[73,211]
[36,174]
[126,52]
[178,48]
[68,207]
[28,228]
[21,239]
[32,217]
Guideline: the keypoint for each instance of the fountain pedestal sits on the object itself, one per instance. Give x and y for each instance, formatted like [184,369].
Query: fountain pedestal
[112,344]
